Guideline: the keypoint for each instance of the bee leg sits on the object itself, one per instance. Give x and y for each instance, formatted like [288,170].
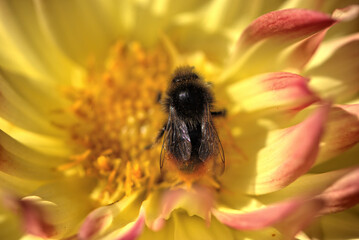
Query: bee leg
[158,137]
[158,97]
[221,113]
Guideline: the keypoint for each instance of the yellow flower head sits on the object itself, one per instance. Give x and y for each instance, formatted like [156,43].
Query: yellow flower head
[113,126]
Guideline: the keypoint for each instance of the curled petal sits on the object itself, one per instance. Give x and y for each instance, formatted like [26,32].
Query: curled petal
[342,131]
[287,155]
[133,230]
[124,213]
[276,91]
[72,199]
[343,194]
[288,24]
[130,231]
[32,211]
[256,219]
[285,211]
[197,201]
[262,46]
[95,223]
[298,56]
[347,13]
[309,184]
[301,218]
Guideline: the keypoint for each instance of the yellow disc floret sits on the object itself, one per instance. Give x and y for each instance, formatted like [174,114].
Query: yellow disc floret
[117,117]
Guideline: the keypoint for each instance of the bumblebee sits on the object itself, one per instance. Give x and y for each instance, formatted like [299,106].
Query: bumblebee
[190,140]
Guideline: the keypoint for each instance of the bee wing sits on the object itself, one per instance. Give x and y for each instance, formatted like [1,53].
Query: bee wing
[163,148]
[180,142]
[210,142]
[176,139]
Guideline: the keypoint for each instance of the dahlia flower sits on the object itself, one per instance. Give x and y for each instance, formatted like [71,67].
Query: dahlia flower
[79,82]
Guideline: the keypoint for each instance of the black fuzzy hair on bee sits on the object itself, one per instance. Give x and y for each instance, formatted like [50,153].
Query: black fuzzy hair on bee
[188,94]
[189,135]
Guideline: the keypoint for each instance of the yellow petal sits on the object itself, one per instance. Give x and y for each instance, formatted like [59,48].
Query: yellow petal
[76,27]
[48,145]
[44,96]
[24,48]
[17,110]
[18,185]
[341,225]
[333,69]
[9,224]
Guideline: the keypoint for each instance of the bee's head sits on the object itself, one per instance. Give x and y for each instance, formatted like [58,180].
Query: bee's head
[184,74]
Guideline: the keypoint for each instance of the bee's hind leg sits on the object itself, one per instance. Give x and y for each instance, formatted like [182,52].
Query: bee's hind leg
[220,113]
[158,137]
[158,97]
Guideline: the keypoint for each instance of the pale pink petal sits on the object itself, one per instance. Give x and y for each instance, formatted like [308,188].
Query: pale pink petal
[346,14]
[35,219]
[123,213]
[257,219]
[278,158]
[263,46]
[299,154]
[309,184]
[95,223]
[300,219]
[288,24]
[299,56]
[130,231]
[289,154]
[133,230]
[343,194]
[342,131]
[158,207]
[274,214]
[278,91]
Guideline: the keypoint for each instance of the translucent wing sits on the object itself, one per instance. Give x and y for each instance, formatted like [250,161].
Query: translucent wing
[163,149]
[176,139]
[180,142]
[210,142]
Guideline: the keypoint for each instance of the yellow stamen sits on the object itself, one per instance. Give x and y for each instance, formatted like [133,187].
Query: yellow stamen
[117,117]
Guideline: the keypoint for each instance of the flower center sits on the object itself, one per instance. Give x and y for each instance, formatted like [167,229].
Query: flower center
[117,118]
